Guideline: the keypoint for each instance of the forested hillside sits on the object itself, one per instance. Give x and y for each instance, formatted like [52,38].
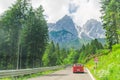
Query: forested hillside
[54,55]
[108,65]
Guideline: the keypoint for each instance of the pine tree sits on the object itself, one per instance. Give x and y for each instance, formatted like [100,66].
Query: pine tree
[111,22]
[11,23]
[34,37]
[49,58]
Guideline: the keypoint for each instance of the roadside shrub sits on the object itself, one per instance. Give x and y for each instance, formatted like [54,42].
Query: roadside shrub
[116,47]
[108,66]
[103,51]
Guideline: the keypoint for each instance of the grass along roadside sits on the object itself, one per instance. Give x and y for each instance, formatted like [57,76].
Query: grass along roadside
[108,67]
[31,75]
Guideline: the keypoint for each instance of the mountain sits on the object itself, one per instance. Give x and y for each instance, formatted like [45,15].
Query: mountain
[50,26]
[66,23]
[92,29]
[62,36]
[64,32]
[68,35]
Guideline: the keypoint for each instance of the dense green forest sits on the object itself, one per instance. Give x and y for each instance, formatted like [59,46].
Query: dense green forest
[111,21]
[24,41]
[56,56]
[23,36]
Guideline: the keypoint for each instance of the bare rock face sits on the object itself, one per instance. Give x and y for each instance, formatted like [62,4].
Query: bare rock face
[94,29]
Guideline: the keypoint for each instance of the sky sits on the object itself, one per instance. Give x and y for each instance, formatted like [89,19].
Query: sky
[79,10]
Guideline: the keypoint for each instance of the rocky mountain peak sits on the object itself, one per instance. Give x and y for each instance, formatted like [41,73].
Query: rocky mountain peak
[66,33]
[63,30]
[66,23]
[94,29]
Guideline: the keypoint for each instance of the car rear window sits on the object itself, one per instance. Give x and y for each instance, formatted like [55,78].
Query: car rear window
[78,64]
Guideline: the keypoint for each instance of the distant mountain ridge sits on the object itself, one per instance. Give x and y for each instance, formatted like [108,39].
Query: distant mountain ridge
[92,29]
[68,35]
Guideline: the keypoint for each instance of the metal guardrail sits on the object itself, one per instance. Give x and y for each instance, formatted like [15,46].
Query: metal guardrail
[21,72]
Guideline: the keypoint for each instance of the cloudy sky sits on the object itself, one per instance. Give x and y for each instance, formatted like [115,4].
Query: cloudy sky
[80,10]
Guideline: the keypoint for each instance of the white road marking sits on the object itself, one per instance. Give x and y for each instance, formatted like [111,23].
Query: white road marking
[90,74]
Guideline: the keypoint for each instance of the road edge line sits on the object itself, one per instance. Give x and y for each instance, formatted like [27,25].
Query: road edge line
[90,74]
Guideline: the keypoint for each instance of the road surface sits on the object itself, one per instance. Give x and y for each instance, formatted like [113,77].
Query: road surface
[65,74]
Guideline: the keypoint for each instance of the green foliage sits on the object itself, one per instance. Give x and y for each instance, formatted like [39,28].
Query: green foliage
[34,37]
[72,57]
[103,51]
[111,20]
[45,57]
[49,55]
[82,58]
[11,24]
[24,35]
[88,50]
[108,65]
[53,55]
[116,47]
[118,31]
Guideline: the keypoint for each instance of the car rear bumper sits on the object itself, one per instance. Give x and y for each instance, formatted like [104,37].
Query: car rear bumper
[78,71]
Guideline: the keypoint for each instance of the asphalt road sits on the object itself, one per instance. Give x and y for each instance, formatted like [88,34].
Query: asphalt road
[65,74]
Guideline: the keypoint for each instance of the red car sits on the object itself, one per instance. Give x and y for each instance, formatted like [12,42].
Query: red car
[78,68]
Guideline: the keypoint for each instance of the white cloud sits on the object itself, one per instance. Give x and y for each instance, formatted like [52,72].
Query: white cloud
[5,4]
[72,8]
[56,9]
[87,10]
